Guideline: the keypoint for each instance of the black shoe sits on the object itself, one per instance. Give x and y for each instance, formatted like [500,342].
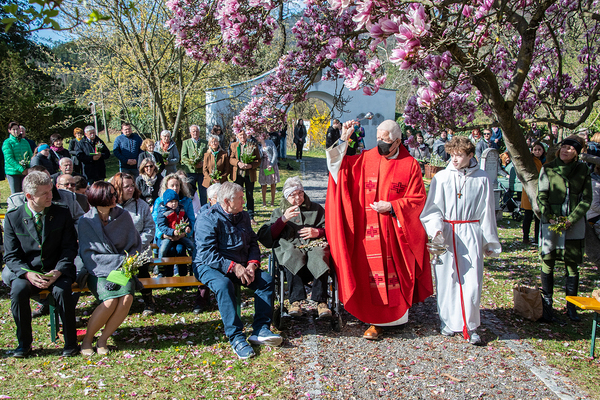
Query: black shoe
[41,309]
[21,353]
[72,352]
[197,309]
[572,313]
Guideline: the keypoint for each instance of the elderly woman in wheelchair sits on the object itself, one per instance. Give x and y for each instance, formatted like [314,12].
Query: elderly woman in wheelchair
[296,233]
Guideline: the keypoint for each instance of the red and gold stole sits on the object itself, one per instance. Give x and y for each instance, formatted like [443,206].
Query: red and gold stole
[383,180]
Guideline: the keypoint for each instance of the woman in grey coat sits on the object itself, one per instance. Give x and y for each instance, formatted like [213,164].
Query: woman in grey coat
[169,153]
[106,234]
[128,198]
[296,233]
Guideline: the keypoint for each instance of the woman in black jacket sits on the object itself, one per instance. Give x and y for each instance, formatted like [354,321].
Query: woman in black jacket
[42,157]
[299,138]
[91,152]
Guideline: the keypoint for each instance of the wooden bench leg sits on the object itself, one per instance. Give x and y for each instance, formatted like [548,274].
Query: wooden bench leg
[594,326]
[54,321]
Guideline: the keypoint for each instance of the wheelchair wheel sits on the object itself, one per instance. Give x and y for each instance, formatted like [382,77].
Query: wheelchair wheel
[336,323]
[277,318]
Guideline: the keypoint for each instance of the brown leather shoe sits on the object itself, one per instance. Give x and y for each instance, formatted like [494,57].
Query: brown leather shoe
[373,333]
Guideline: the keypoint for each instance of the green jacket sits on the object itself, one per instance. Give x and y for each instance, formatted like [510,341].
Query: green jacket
[14,151]
[558,179]
[188,147]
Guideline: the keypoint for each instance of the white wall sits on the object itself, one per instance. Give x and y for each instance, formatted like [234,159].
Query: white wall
[382,104]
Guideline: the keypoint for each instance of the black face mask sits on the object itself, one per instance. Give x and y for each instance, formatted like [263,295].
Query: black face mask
[383,148]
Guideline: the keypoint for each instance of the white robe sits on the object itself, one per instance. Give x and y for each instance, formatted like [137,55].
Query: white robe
[472,239]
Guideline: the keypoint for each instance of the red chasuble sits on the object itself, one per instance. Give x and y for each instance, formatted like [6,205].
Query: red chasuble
[381,261]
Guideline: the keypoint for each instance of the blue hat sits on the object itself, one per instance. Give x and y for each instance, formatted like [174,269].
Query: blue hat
[169,195]
[43,147]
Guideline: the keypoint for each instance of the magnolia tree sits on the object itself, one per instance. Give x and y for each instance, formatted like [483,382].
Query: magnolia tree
[516,61]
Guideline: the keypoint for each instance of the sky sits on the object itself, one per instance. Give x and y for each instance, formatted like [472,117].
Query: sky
[50,37]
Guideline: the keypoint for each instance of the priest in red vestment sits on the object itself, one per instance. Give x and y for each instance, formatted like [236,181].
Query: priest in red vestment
[377,241]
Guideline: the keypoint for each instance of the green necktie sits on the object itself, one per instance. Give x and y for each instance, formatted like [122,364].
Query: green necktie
[39,224]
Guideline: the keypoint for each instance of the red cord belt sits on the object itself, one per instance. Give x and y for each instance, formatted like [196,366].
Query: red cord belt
[462,298]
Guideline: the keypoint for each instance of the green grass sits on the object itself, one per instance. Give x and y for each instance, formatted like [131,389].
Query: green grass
[174,354]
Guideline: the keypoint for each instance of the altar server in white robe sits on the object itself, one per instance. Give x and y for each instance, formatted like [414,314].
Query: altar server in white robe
[460,213]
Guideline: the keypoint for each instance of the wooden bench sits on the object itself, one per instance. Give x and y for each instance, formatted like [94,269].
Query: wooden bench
[149,283]
[588,303]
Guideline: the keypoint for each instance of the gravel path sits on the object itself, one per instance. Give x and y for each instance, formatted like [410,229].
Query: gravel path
[415,361]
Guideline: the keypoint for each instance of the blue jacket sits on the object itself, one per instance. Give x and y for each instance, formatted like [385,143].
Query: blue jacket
[126,148]
[184,202]
[223,239]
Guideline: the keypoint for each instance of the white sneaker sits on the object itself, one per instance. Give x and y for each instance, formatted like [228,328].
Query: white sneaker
[265,337]
[475,339]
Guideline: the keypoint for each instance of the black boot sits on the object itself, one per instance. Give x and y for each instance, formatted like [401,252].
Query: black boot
[572,285]
[149,305]
[547,292]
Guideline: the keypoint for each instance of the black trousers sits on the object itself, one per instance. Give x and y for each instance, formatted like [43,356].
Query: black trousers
[528,217]
[296,285]
[299,151]
[244,181]
[21,291]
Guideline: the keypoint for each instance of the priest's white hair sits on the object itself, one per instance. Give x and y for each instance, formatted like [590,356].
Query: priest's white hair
[392,128]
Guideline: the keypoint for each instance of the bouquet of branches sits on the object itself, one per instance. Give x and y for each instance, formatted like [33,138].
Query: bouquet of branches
[132,263]
[128,270]
[197,157]
[559,226]
[215,175]
[99,146]
[25,161]
[247,156]
[181,226]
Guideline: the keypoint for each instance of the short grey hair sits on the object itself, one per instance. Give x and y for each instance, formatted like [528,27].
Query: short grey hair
[228,191]
[209,137]
[194,126]
[64,160]
[392,128]
[35,179]
[23,128]
[165,133]
[89,128]
[213,190]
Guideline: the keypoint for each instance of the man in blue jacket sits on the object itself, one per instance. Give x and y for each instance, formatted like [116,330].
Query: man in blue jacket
[127,149]
[227,252]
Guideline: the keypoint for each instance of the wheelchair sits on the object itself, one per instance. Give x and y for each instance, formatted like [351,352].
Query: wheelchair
[280,312]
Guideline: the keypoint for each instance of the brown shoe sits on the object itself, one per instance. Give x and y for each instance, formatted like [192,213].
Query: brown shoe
[295,309]
[373,333]
[323,311]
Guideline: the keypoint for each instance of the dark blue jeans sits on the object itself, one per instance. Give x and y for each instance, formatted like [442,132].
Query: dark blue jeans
[195,180]
[15,182]
[222,286]
[131,171]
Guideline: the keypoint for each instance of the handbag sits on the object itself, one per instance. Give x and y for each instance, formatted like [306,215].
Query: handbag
[527,302]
